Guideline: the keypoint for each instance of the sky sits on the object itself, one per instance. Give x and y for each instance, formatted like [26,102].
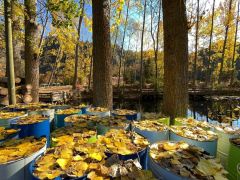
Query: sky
[87,36]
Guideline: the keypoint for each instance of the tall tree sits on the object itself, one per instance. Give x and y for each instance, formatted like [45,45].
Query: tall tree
[116,36]
[208,79]
[155,39]
[122,46]
[225,41]
[31,48]
[17,34]
[142,43]
[90,74]
[196,48]
[9,52]
[175,95]
[75,80]
[102,63]
[234,46]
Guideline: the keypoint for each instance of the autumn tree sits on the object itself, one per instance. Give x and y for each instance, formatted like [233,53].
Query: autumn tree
[196,48]
[31,48]
[227,23]
[234,47]
[122,45]
[9,52]
[82,6]
[155,35]
[142,41]
[208,78]
[175,97]
[17,14]
[102,62]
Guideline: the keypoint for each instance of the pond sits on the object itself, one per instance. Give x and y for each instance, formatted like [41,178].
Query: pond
[223,109]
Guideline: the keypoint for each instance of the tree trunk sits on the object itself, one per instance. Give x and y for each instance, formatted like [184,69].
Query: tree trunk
[208,79]
[102,63]
[224,43]
[121,54]
[175,95]
[43,32]
[75,80]
[124,65]
[90,74]
[234,48]
[16,28]
[9,52]
[31,48]
[54,66]
[142,38]
[157,46]
[116,37]
[156,42]
[196,49]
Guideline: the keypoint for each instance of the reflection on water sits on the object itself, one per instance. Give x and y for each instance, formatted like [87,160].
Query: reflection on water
[214,111]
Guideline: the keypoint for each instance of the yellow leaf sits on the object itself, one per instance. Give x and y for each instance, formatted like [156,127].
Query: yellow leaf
[63,163]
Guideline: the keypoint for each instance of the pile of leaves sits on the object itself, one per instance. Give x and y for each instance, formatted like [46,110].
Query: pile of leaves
[64,139]
[195,133]
[150,125]
[73,156]
[97,109]
[227,129]
[31,119]
[81,154]
[68,111]
[15,149]
[69,130]
[193,122]
[128,170]
[5,133]
[80,118]
[236,141]
[77,162]
[187,161]
[124,112]
[113,122]
[152,116]
[91,121]
[81,106]
[30,106]
[123,142]
[10,115]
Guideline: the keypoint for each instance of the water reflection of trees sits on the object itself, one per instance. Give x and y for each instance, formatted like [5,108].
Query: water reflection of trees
[221,109]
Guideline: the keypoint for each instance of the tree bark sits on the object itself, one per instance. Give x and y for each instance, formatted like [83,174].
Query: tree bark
[9,52]
[208,79]
[142,38]
[102,63]
[90,74]
[17,44]
[196,49]
[75,80]
[121,53]
[31,48]
[175,95]
[224,43]
[234,47]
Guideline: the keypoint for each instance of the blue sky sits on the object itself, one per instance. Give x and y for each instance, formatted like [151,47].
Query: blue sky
[86,35]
